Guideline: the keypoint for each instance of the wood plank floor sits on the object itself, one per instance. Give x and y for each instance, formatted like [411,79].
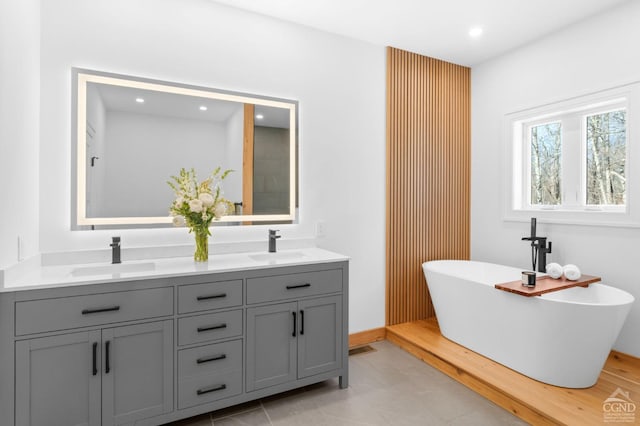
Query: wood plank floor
[535,402]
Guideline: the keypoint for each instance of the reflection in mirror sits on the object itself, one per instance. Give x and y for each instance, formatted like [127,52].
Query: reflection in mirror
[133,134]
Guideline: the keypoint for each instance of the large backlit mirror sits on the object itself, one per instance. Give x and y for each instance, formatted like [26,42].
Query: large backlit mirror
[132,134]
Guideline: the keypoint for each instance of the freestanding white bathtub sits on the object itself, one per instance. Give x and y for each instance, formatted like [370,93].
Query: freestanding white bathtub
[561,338]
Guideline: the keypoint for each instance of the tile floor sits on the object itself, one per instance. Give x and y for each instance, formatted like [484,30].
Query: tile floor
[386,387]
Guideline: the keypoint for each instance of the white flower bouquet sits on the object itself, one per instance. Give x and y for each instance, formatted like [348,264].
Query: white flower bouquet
[197,204]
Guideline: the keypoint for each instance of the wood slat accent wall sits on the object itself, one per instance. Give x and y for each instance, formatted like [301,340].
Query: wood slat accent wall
[428,175]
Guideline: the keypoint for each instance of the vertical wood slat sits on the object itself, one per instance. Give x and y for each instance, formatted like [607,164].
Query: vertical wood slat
[428,175]
[247,160]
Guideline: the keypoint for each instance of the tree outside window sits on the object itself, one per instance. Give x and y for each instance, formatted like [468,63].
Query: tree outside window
[606,157]
[546,149]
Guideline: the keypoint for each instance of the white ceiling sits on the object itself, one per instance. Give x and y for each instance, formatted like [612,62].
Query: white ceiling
[435,28]
[163,104]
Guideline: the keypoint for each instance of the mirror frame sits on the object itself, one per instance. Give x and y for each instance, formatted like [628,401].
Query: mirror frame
[81,77]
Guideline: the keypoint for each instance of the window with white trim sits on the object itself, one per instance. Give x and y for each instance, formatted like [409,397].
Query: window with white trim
[571,160]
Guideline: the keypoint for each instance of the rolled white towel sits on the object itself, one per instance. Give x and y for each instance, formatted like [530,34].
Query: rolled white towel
[554,270]
[571,272]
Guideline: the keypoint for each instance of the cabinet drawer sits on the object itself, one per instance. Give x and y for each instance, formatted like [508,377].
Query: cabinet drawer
[282,287]
[213,370]
[210,359]
[202,297]
[38,316]
[198,390]
[204,328]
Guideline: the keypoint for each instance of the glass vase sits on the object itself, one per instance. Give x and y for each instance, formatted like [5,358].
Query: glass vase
[202,245]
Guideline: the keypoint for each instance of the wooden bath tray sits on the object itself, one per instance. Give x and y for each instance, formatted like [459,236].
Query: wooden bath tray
[546,284]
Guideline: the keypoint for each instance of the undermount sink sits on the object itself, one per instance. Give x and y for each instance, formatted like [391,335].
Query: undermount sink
[112,269]
[281,255]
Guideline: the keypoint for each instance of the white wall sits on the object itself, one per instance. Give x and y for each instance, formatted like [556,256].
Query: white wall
[19,127]
[142,150]
[339,83]
[593,55]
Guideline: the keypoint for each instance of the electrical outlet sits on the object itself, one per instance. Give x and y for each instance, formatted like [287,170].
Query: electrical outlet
[321,228]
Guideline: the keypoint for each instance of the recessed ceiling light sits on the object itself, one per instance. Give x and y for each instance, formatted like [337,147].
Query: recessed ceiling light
[140,100]
[259,116]
[203,108]
[475,32]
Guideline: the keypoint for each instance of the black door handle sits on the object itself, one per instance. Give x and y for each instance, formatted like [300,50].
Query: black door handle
[295,325]
[95,358]
[95,311]
[107,363]
[213,296]
[301,322]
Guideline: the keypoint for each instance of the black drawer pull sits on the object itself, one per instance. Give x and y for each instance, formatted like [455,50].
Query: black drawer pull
[290,287]
[212,327]
[95,311]
[95,358]
[211,389]
[210,358]
[301,322]
[213,296]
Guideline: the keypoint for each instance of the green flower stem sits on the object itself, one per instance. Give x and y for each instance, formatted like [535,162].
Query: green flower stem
[202,245]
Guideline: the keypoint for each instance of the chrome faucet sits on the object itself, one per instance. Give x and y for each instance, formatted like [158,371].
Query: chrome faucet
[539,248]
[115,250]
[272,240]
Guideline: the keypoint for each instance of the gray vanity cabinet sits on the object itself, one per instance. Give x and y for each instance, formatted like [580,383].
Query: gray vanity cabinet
[139,381]
[271,345]
[55,380]
[94,366]
[155,350]
[319,335]
[296,339]
[113,376]
[290,341]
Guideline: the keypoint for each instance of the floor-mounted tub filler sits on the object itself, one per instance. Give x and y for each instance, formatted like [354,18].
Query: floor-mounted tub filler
[561,338]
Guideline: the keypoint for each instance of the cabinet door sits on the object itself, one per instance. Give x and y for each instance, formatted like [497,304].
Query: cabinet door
[319,335]
[271,345]
[137,380]
[58,380]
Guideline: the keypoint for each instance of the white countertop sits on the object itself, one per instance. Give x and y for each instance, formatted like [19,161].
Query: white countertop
[92,273]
